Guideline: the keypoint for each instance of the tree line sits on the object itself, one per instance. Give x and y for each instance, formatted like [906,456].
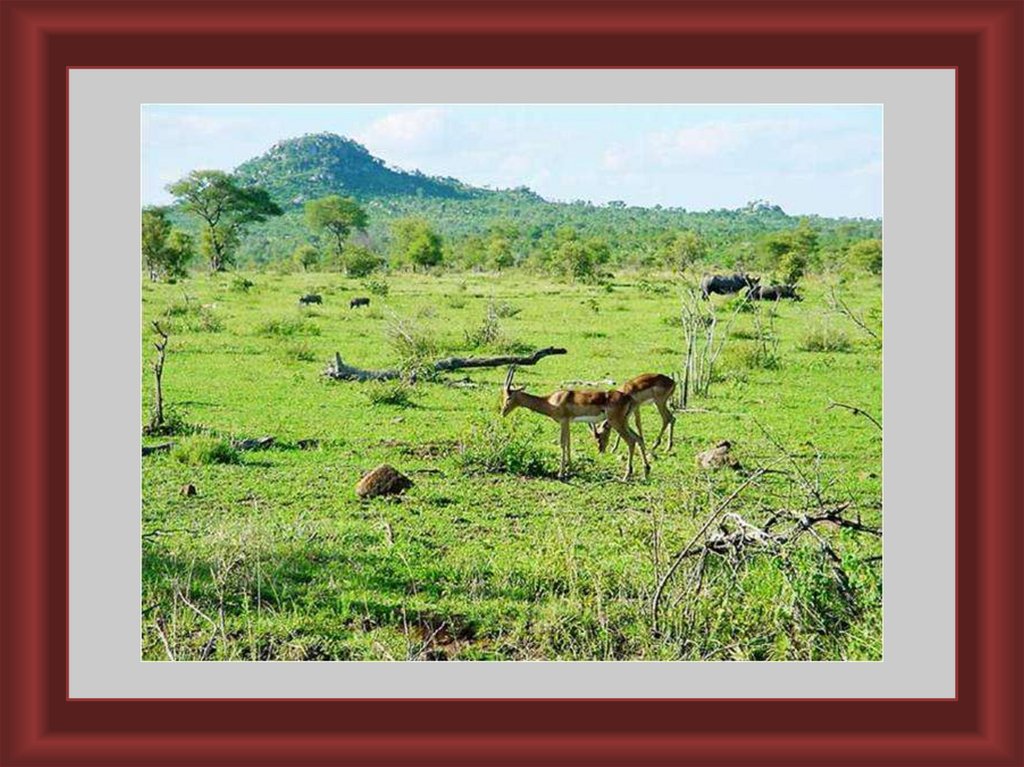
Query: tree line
[214,217]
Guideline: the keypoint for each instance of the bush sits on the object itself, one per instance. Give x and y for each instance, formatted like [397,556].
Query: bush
[502,447]
[503,309]
[377,287]
[205,451]
[241,284]
[360,262]
[194,317]
[825,339]
[395,393]
[652,288]
[287,327]
[412,344]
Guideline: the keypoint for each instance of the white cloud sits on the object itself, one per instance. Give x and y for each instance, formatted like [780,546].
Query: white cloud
[413,130]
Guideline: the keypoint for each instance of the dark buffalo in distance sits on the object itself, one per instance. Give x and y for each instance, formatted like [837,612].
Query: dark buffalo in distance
[726,283]
[773,293]
[311,298]
[356,302]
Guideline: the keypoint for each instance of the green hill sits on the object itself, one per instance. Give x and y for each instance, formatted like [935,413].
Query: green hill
[315,165]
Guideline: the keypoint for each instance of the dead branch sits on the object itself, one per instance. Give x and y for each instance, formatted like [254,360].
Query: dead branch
[340,371]
[856,411]
[840,306]
[685,552]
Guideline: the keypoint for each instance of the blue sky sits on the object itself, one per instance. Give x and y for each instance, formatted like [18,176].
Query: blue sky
[807,158]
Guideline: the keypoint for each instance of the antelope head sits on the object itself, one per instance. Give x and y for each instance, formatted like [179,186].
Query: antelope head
[601,434]
[509,400]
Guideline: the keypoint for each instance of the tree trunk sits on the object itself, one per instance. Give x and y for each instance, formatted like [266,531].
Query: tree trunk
[339,371]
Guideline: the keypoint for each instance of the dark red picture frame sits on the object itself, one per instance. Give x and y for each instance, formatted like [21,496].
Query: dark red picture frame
[983,41]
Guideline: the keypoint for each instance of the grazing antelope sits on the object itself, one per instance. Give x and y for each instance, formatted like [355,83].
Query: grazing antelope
[568,405]
[648,387]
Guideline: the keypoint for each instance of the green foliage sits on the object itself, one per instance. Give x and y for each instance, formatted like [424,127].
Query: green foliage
[337,217]
[578,259]
[867,255]
[321,164]
[204,450]
[360,261]
[224,207]
[685,249]
[393,393]
[166,251]
[306,256]
[415,242]
[285,327]
[789,254]
[378,287]
[502,447]
[242,284]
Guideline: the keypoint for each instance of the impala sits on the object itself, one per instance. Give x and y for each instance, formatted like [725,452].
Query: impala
[568,405]
[645,388]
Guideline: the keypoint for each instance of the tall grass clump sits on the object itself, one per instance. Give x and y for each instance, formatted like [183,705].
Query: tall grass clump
[205,451]
[501,447]
[286,327]
[413,345]
[823,338]
[394,393]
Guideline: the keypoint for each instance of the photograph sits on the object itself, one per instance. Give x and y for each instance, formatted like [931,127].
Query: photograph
[511,382]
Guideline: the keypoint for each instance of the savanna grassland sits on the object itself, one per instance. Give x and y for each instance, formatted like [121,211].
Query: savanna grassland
[489,556]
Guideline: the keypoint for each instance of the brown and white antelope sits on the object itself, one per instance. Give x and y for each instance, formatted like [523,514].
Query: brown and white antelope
[648,387]
[568,405]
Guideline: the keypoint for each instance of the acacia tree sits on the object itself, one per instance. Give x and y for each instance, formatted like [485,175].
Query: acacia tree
[337,216]
[224,207]
[166,251]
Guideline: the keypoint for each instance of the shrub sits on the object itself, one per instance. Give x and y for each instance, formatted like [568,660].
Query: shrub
[456,302]
[241,284]
[502,447]
[287,327]
[825,339]
[652,288]
[377,287]
[205,451]
[360,262]
[504,310]
[412,344]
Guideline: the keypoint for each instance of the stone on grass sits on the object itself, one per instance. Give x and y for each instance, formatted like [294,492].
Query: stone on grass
[384,480]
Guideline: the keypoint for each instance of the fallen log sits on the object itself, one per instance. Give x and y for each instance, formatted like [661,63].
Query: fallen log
[340,371]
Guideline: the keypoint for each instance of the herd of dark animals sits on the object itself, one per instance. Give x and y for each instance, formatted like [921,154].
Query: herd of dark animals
[313,298]
[723,284]
[608,411]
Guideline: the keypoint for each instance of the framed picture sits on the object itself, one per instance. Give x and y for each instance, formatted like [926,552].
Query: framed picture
[930,675]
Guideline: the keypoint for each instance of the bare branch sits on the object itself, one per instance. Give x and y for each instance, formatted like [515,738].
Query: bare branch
[856,411]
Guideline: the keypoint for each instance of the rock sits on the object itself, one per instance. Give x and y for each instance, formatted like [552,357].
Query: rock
[188,490]
[384,480]
[717,457]
[308,444]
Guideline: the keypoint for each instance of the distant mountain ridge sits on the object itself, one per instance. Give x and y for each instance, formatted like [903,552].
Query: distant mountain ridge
[318,164]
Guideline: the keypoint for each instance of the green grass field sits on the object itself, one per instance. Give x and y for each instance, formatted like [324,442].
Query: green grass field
[489,556]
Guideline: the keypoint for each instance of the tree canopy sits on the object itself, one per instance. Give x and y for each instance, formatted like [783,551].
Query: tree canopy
[224,207]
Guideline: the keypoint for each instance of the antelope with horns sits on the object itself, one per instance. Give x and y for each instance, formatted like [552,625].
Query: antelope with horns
[648,387]
[568,405]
